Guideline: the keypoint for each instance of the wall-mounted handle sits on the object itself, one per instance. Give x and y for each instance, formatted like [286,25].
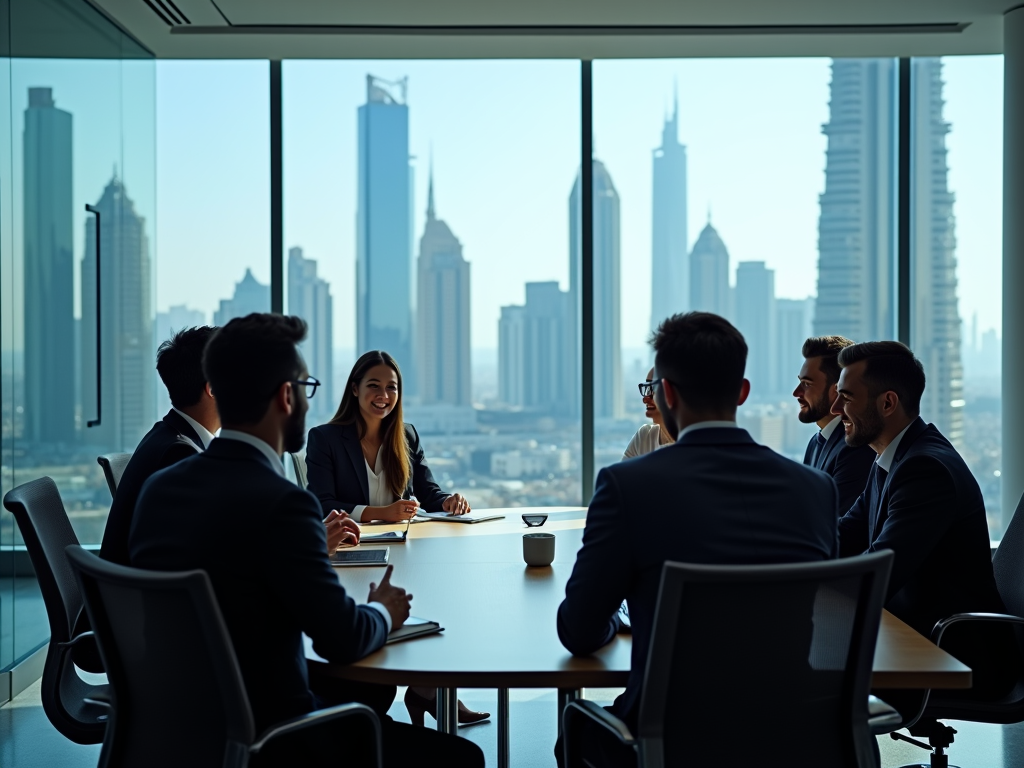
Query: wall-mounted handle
[99,334]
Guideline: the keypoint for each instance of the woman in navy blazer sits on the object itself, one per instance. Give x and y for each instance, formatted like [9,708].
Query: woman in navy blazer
[366,461]
[369,463]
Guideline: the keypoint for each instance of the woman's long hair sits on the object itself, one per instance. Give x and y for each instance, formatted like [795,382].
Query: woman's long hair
[396,450]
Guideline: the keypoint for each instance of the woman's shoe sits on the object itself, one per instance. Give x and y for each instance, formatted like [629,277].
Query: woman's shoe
[419,705]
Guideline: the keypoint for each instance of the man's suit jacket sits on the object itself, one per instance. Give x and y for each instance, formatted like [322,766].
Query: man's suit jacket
[169,441]
[261,540]
[848,466]
[336,469]
[714,497]
[929,511]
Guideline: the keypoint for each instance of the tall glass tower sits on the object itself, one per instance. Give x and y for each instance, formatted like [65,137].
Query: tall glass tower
[49,272]
[384,268]
[670,270]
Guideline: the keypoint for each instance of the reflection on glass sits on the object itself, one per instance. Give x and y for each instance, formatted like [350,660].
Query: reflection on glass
[426,216]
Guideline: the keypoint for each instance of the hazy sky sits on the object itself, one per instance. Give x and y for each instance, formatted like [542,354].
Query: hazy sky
[505,143]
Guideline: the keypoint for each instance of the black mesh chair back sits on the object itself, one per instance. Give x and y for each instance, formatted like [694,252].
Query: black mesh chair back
[176,690]
[776,659]
[46,530]
[113,465]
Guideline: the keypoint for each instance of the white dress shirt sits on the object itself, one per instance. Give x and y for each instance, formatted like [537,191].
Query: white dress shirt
[275,461]
[706,425]
[377,481]
[885,458]
[646,440]
[829,428]
[204,434]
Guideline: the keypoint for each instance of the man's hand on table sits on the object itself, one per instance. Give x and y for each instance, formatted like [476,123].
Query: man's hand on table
[342,530]
[456,504]
[395,599]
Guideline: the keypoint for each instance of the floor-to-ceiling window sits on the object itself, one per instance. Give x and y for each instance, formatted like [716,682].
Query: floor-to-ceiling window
[77,279]
[428,209]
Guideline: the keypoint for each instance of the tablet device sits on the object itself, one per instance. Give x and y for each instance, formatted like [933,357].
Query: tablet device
[357,557]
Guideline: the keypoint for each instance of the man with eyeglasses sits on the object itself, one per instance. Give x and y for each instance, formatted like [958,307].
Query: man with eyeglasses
[232,513]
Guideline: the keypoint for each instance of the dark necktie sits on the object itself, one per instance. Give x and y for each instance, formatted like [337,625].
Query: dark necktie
[877,485]
[819,450]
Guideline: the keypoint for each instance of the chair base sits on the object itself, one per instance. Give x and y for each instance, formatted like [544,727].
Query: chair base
[939,739]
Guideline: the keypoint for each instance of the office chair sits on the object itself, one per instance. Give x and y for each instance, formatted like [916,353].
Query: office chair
[113,467]
[1008,564]
[783,653]
[69,702]
[299,465]
[177,696]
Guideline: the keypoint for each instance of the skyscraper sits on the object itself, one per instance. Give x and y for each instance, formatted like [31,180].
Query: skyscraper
[755,319]
[309,297]
[608,396]
[128,356]
[670,271]
[857,231]
[250,296]
[384,299]
[443,320]
[935,321]
[536,350]
[792,328]
[709,274]
[49,271]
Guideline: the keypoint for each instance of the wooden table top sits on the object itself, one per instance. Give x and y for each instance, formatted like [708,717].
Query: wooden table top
[499,616]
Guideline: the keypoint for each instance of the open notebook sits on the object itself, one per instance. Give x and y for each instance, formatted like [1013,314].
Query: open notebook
[472,517]
[413,627]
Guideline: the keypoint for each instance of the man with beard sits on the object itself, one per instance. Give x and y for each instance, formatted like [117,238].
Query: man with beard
[827,450]
[231,512]
[923,503]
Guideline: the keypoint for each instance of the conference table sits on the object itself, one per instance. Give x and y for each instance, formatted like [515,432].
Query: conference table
[499,620]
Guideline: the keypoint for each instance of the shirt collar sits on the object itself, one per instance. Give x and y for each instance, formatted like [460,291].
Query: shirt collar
[706,425]
[204,434]
[255,442]
[829,428]
[885,457]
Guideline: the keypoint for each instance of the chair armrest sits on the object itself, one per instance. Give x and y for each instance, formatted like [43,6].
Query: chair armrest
[601,716]
[90,635]
[320,716]
[958,618]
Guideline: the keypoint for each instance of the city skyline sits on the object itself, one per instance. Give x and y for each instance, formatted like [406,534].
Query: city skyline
[670,246]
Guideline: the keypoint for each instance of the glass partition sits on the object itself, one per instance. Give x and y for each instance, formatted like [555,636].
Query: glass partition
[427,213]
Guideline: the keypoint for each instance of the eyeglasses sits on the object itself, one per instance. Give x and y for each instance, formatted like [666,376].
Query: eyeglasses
[309,385]
[646,388]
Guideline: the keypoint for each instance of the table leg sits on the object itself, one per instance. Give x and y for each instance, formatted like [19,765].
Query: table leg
[565,695]
[504,757]
[448,710]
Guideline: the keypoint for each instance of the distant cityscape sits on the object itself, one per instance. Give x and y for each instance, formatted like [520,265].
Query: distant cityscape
[502,425]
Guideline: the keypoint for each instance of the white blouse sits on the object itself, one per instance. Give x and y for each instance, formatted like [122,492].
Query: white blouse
[646,440]
[380,494]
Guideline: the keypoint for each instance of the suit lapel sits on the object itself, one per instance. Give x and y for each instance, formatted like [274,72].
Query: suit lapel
[182,427]
[350,437]
[915,430]
[833,446]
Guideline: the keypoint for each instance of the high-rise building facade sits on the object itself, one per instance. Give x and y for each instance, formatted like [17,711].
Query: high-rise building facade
[309,297]
[857,231]
[49,271]
[443,320]
[536,350]
[608,396]
[250,296]
[935,316]
[755,319]
[709,274]
[793,326]
[384,268]
[127,363]
[670,270]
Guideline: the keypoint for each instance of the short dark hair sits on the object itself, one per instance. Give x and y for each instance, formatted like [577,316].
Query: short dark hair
[704,356]
[828,349]
[179,361]
[248,359]
[891,366]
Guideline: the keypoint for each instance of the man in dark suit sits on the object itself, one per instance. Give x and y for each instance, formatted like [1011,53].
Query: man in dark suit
[231,512]
[185,431]
[923,503]
[846,464]
[697,495]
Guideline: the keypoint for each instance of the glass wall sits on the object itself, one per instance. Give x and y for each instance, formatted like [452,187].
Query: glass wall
[77,284]
[427,213]
[956,247]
